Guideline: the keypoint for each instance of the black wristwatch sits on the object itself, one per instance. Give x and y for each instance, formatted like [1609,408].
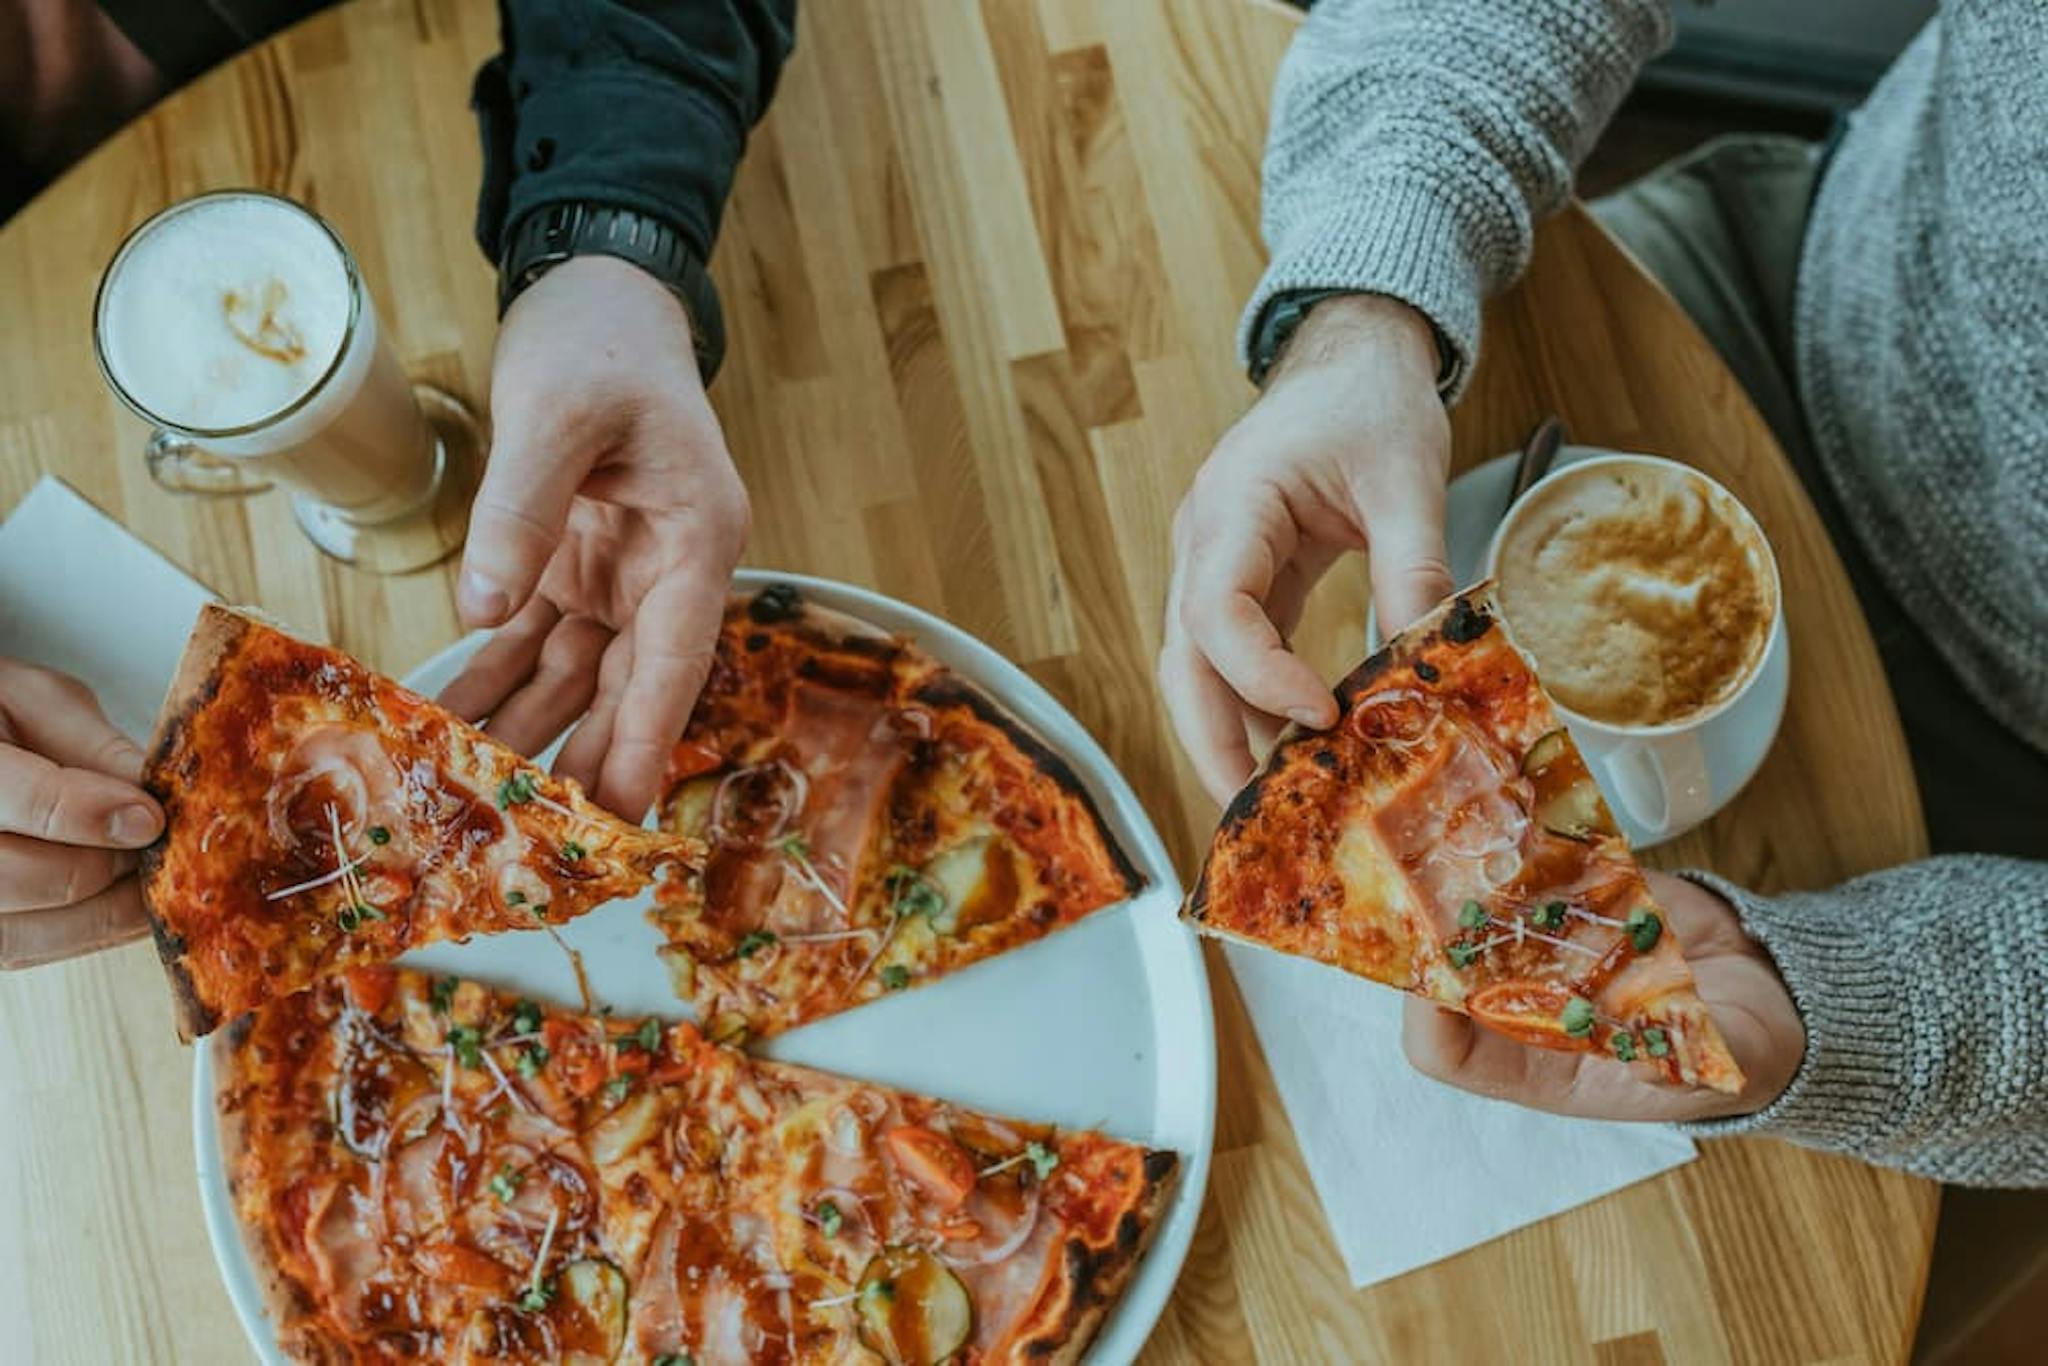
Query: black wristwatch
[553,233]
[1283,317]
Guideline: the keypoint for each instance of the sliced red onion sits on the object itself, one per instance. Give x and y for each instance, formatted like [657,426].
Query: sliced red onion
[881,948]
[1018,1237]
[795,792]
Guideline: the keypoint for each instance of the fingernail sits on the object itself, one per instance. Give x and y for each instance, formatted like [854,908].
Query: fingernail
[481,600]
[132,824]
[1302,716]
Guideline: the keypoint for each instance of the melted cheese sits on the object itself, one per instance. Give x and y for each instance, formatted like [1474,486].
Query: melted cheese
[1372,943]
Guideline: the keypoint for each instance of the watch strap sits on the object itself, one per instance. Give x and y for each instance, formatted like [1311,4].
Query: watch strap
[554,233]
[1286,312]
[1283,317]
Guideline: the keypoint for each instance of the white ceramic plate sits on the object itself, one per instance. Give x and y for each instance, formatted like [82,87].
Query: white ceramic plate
[1105,1025]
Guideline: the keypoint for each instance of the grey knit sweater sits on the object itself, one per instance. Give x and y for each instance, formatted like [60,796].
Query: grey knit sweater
[1415,143]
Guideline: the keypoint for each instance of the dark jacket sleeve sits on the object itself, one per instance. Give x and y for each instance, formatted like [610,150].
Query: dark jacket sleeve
[642,105]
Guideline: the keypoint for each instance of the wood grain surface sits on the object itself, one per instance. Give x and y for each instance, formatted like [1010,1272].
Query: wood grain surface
[982,269]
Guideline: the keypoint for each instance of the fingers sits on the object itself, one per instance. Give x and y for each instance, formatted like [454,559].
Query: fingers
[1222,609]
[1208,717]
[46,801]
[58,717]
[1405,554]
[538,459]
[563,681]
[112,916]
[35,873]
[1437,1042]
[675,632]
[506,660]
[582,756]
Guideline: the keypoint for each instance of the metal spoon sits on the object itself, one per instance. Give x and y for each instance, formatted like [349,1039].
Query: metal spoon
[1537,454]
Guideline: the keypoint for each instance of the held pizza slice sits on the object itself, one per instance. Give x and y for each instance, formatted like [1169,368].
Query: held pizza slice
[428,1170]
[1446,838]
[319,816]
[873,822]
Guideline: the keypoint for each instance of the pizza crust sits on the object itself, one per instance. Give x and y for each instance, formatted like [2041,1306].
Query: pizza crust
[286,1305]
[215,638]
[1092,1282]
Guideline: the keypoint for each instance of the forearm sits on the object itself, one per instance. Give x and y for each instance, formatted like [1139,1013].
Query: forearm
[1415,143]
[1924,990]
[644,106]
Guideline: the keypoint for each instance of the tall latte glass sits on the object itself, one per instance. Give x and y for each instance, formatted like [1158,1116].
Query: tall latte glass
[237,325]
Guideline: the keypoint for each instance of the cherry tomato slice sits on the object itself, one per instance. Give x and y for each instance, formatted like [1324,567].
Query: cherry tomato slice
[1529,1012]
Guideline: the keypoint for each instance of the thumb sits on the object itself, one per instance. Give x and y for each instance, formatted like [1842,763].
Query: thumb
[535,467]
[1405,555]
[1436,1041]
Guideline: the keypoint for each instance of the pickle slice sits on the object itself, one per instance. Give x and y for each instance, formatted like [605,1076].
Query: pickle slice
[590,1312]
[912,1309]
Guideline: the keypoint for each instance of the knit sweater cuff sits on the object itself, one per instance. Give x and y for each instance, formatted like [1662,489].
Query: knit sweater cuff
[1854,1080]
[1403,238]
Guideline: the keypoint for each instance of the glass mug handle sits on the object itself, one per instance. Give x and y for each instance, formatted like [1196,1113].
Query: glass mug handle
[181,466]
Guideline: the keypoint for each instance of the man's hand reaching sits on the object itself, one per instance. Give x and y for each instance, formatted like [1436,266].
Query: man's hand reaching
[604,537]
[1347,449]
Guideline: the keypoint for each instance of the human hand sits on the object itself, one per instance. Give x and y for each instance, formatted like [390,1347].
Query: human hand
[1346,449]
[71,819]
[604,537]
[1736,979]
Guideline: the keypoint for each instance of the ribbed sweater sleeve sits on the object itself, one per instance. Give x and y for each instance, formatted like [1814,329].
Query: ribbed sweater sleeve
[1415,143]
[1924,989]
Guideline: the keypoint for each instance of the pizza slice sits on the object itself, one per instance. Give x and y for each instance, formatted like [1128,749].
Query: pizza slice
[319,816]
[872,821]
[1446,838]
[426,1169]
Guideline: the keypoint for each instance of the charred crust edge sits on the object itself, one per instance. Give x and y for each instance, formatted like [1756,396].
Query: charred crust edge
[945,688]
[775,602]
[1096,1278]
[1465,623]
[216,638]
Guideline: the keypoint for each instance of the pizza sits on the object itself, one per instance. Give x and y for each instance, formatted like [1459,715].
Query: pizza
[318,816]
[1446,838]
[872,823]
[425,1169]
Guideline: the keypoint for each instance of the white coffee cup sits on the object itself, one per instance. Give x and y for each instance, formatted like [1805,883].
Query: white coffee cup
[1665,777]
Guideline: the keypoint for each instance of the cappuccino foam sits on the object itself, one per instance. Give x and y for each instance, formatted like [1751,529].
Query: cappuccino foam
[1642,591]
[224,313]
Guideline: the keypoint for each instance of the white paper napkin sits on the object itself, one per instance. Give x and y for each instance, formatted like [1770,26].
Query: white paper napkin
[1377,1135]
[78,593]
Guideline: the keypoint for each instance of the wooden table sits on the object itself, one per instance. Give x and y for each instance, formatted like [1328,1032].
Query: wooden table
[982,269]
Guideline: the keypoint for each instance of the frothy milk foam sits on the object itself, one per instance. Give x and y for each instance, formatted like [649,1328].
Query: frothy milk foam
[1645,593]
[225,313]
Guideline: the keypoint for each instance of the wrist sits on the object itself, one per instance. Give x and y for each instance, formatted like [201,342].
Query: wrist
[1348,327]
[556,235]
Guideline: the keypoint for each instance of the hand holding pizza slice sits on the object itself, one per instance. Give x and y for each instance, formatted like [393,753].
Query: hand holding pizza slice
[1446,838]
[320,817]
